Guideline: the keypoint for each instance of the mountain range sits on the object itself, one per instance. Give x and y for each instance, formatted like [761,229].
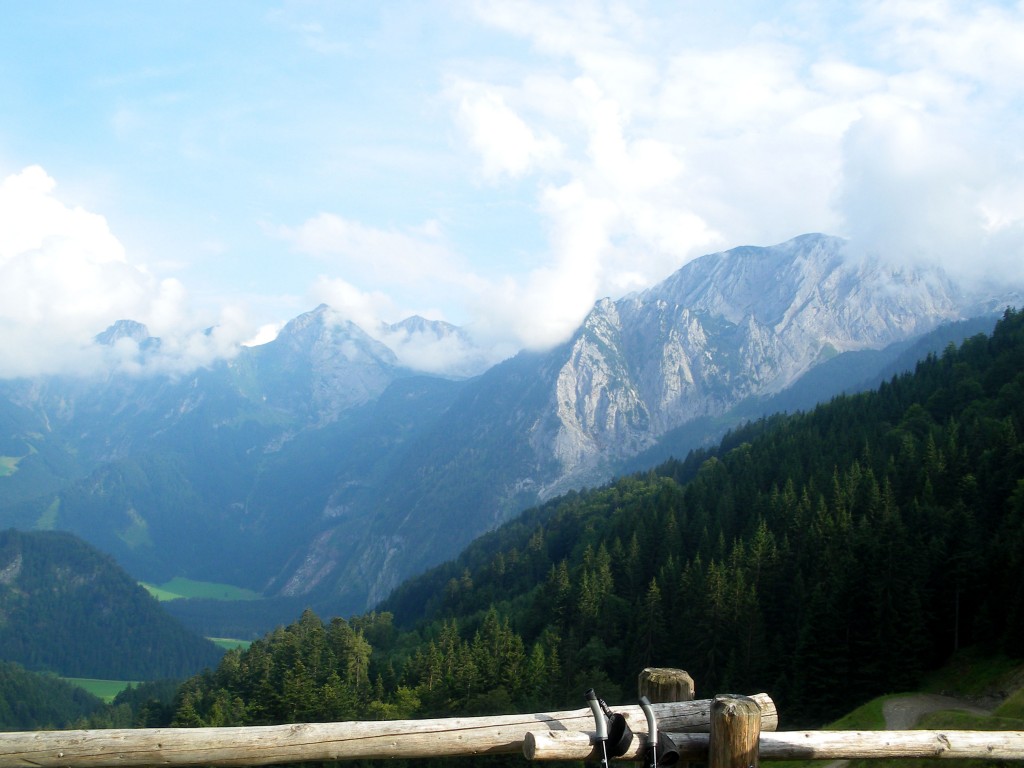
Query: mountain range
[319,467]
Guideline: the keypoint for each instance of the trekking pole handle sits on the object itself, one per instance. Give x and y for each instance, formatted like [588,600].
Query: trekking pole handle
[652,722]
[600,722]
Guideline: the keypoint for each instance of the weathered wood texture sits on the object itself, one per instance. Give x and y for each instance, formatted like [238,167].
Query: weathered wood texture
[691,716]
[735,730]
[322,741]
[660,684]
[884,745]
[825,745]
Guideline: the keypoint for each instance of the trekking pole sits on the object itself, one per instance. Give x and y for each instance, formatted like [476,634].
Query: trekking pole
[600,724]
[651,748]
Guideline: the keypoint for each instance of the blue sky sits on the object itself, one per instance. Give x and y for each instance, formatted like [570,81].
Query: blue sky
[500,165]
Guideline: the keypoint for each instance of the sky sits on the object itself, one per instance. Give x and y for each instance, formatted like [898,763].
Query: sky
[497,165]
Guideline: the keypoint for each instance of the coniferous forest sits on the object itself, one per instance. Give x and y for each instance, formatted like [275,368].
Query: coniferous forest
[822,557]
[30,701]
[69,609]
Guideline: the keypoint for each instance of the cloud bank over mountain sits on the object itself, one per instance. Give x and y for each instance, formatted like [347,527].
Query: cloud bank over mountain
[66,277]
[497,165]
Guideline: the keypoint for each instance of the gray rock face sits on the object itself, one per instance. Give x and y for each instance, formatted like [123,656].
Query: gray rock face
[321,365]
[725,327]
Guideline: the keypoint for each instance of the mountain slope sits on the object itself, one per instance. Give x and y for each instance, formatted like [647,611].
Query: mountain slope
[66,608]
[31,701]
[846,373]
[724,330]
[224,474]
[824,557]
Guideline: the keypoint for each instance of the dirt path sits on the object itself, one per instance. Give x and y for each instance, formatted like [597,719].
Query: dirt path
[905,712]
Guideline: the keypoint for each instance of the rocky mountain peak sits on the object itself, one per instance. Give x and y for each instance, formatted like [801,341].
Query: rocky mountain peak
[727,326]
[322,364]
[324,335]
[126,329]
[420,325]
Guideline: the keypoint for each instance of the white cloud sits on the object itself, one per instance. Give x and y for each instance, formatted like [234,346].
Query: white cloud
[373,256]
[264,334]
[364,308]
[506,144]
[452,354]
[932,169]
[896,126]
[66,277]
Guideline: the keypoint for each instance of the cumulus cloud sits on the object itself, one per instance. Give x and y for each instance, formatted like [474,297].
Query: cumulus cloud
[932,170]
[895,126]
[436,348]
[642,153]
[364,308]
[506,144]
[909,191]
[66,277]
[371,255]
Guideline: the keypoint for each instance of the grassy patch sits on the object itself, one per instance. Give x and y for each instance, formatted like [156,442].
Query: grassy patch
[968,674]
[180,587]
[160,594]
[137,533]
[230,643]
[953,720]
[866,717]
[949,720]
[48,520]
[1013,707]
[102,689]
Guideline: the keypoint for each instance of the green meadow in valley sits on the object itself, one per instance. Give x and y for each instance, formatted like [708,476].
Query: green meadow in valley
[180,587]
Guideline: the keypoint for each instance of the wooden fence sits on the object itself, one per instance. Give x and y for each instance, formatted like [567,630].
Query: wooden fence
[724,732]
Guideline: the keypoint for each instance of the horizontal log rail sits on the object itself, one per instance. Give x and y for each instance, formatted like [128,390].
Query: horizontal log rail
[305,742]
[807,745]
[565,735]
[851,745]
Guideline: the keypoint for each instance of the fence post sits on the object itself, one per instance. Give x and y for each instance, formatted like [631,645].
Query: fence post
[663,685]
[735,732]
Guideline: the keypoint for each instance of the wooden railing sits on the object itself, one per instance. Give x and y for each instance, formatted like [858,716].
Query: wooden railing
[267,745]
[724,732]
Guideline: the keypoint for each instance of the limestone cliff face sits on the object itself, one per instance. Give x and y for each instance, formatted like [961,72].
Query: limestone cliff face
[725,327]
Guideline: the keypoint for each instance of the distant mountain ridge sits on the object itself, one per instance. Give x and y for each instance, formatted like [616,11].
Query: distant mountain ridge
[323,467]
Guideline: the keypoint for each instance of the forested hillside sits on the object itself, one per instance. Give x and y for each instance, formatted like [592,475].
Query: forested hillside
[68,609]
[29,701]
[823,557]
